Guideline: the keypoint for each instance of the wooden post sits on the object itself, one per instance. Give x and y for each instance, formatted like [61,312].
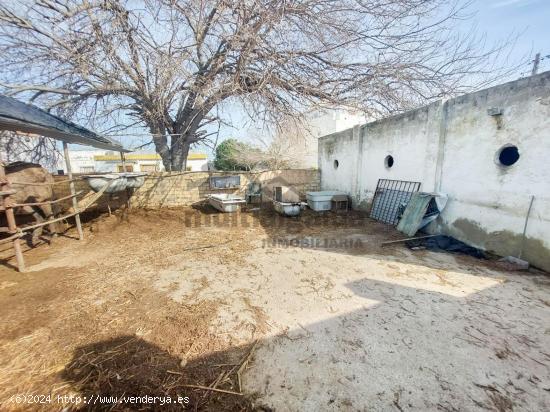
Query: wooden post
[73,192]
[10,217]
[123,160]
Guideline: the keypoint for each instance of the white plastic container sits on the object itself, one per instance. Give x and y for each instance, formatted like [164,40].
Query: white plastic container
[321,201]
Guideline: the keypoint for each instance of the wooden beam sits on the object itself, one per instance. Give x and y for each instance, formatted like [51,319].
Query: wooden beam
[406,239]
[128,191]
[49,202]
[123,160]
[73,192]
[10,217]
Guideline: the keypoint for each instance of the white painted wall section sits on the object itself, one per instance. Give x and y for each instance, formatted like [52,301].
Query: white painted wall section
[452,146]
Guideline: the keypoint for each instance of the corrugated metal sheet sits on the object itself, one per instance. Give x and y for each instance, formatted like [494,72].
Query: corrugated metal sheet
[412,217]
[145,156]
[22,117]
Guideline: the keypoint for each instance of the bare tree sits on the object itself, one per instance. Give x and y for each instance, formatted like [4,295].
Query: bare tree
[278,155]
[285,150]
[31,148]
[171,65]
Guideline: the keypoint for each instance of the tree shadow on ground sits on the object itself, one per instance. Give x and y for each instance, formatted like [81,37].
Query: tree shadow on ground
[344,343]
[109,373]
[393,332]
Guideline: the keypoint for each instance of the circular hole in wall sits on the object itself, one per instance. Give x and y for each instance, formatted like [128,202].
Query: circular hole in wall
[336,164]
[508,155]
[388,161]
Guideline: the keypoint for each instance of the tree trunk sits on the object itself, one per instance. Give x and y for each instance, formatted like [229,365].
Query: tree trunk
[161,145]
[173,155]
[179,151]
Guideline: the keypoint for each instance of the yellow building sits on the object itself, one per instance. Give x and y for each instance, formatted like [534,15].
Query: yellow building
[144,162]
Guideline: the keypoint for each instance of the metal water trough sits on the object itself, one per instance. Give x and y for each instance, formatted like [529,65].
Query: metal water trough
[117,182]
[288,208]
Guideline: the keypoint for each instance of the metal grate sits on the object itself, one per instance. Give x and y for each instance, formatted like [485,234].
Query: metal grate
[391,198]
[225,182]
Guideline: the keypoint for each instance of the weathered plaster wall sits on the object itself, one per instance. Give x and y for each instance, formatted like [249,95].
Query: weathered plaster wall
[411,139]
[489,202]
[452,147]
[342,148]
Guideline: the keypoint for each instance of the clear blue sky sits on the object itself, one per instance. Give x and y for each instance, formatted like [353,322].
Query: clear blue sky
[528,20]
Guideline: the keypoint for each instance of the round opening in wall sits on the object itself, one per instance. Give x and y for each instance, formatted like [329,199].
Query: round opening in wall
[388,161]
[336,164]
[508,155]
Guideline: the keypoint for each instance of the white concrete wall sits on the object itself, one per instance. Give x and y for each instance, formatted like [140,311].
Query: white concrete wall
[320,123]
[451,147]
[411,140]
[489,202]
[82,161]
[197,165]
[342,148]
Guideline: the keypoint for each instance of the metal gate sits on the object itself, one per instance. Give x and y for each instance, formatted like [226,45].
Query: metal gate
[391,198]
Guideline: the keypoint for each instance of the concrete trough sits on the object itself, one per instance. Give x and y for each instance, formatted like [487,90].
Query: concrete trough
[226,202]
[321,201]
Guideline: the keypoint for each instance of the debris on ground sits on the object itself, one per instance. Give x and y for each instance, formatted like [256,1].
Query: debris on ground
[513,263]
[442,243]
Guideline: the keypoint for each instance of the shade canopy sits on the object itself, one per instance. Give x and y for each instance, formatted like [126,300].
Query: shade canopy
[22,117]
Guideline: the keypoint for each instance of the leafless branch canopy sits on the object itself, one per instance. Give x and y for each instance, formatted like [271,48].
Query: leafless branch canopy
[168,65]
[34,149]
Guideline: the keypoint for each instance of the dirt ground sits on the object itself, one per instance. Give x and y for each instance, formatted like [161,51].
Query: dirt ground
[254,311]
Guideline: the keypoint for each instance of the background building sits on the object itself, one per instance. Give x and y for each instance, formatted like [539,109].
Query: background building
[298,143]
[98,161]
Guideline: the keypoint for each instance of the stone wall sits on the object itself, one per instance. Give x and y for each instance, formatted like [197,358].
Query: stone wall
[187,188]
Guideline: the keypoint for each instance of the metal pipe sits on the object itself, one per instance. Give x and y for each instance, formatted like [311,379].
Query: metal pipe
[73,192]
[44,184]
[10,217]
[525,226]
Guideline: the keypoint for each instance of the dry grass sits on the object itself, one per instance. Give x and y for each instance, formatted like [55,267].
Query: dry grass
[88,323]
[98,328]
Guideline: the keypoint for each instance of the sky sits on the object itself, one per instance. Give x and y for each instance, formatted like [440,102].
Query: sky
[526,21]
[529,19]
